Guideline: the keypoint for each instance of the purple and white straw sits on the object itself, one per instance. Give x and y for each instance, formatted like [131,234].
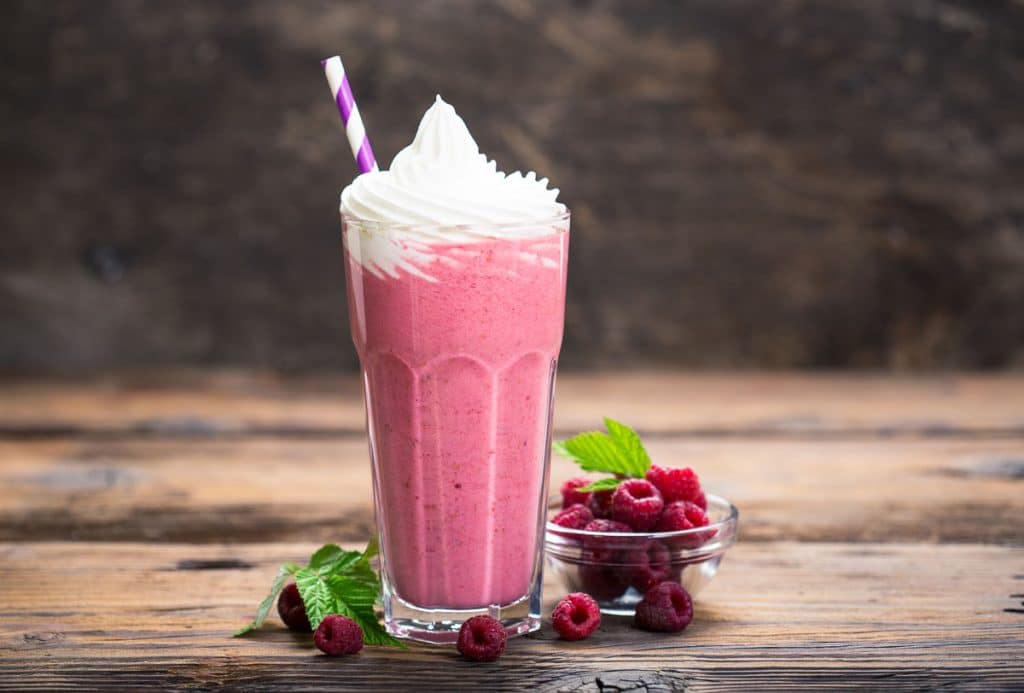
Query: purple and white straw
[354,128]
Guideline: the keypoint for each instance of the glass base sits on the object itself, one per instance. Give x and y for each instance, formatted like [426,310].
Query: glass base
[441,626]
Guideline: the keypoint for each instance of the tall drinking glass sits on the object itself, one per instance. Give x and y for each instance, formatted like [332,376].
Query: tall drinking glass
[458,331]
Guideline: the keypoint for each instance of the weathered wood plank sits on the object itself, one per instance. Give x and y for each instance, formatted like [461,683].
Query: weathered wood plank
[779,614]
[969,490]
[241,458]
[202,403]
[806,669]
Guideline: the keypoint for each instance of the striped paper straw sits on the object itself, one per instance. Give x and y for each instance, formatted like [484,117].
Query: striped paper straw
[354,128]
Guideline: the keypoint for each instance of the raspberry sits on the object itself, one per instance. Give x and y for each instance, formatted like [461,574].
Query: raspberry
[482,639]
[292,610]
[601,582]
[570,496]
[685,515]
[675,484]
[574,517]
[645,566]
[637,503]
[600,525]
[701,501]
[697,515]
[681,515]
[338,635]
[666,608]
[576,616]
[601,549]
[600,504]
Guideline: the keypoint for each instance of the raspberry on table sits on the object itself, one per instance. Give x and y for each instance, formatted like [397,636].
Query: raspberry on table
[600,504]
[576,617]
[574,517]
[637,503]
[665,608]
[571,496]
[675,484]
[482,639]
[645,566]
[338,635]
[291,609]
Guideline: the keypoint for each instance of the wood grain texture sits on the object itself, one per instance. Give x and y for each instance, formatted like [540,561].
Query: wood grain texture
[813,183]
[779,614]
[242,457]
[881,534]
[293,490]
[196,404]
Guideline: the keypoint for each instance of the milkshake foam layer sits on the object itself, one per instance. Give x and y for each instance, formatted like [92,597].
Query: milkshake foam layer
[442,179]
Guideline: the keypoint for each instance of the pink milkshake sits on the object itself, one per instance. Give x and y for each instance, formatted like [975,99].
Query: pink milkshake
[456,287]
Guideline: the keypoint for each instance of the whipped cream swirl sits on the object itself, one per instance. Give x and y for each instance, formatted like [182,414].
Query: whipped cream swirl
[442,179]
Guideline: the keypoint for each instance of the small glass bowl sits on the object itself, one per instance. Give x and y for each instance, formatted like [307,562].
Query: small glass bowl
[615,568]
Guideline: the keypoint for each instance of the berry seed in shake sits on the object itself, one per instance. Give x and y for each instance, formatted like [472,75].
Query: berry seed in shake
[456,294]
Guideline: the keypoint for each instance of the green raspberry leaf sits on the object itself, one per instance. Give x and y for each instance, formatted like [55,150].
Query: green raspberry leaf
[283,573]
[361,568]
[316,596]
[629,443]
[609,484]
[355,598]
[617,452]
[372,549]
[331,558]
[336,581]
[594,451]
[326,555]
[350,593]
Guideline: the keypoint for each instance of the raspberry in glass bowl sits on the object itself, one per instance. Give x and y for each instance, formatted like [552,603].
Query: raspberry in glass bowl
[617,567]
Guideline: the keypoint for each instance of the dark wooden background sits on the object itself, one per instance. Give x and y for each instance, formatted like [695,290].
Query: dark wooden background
[772,184]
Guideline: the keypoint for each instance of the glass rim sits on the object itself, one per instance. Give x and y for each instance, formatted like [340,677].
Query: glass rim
[731,518]
[375,224]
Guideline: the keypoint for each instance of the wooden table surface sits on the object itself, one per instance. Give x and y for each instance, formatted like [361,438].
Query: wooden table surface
[882,523]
